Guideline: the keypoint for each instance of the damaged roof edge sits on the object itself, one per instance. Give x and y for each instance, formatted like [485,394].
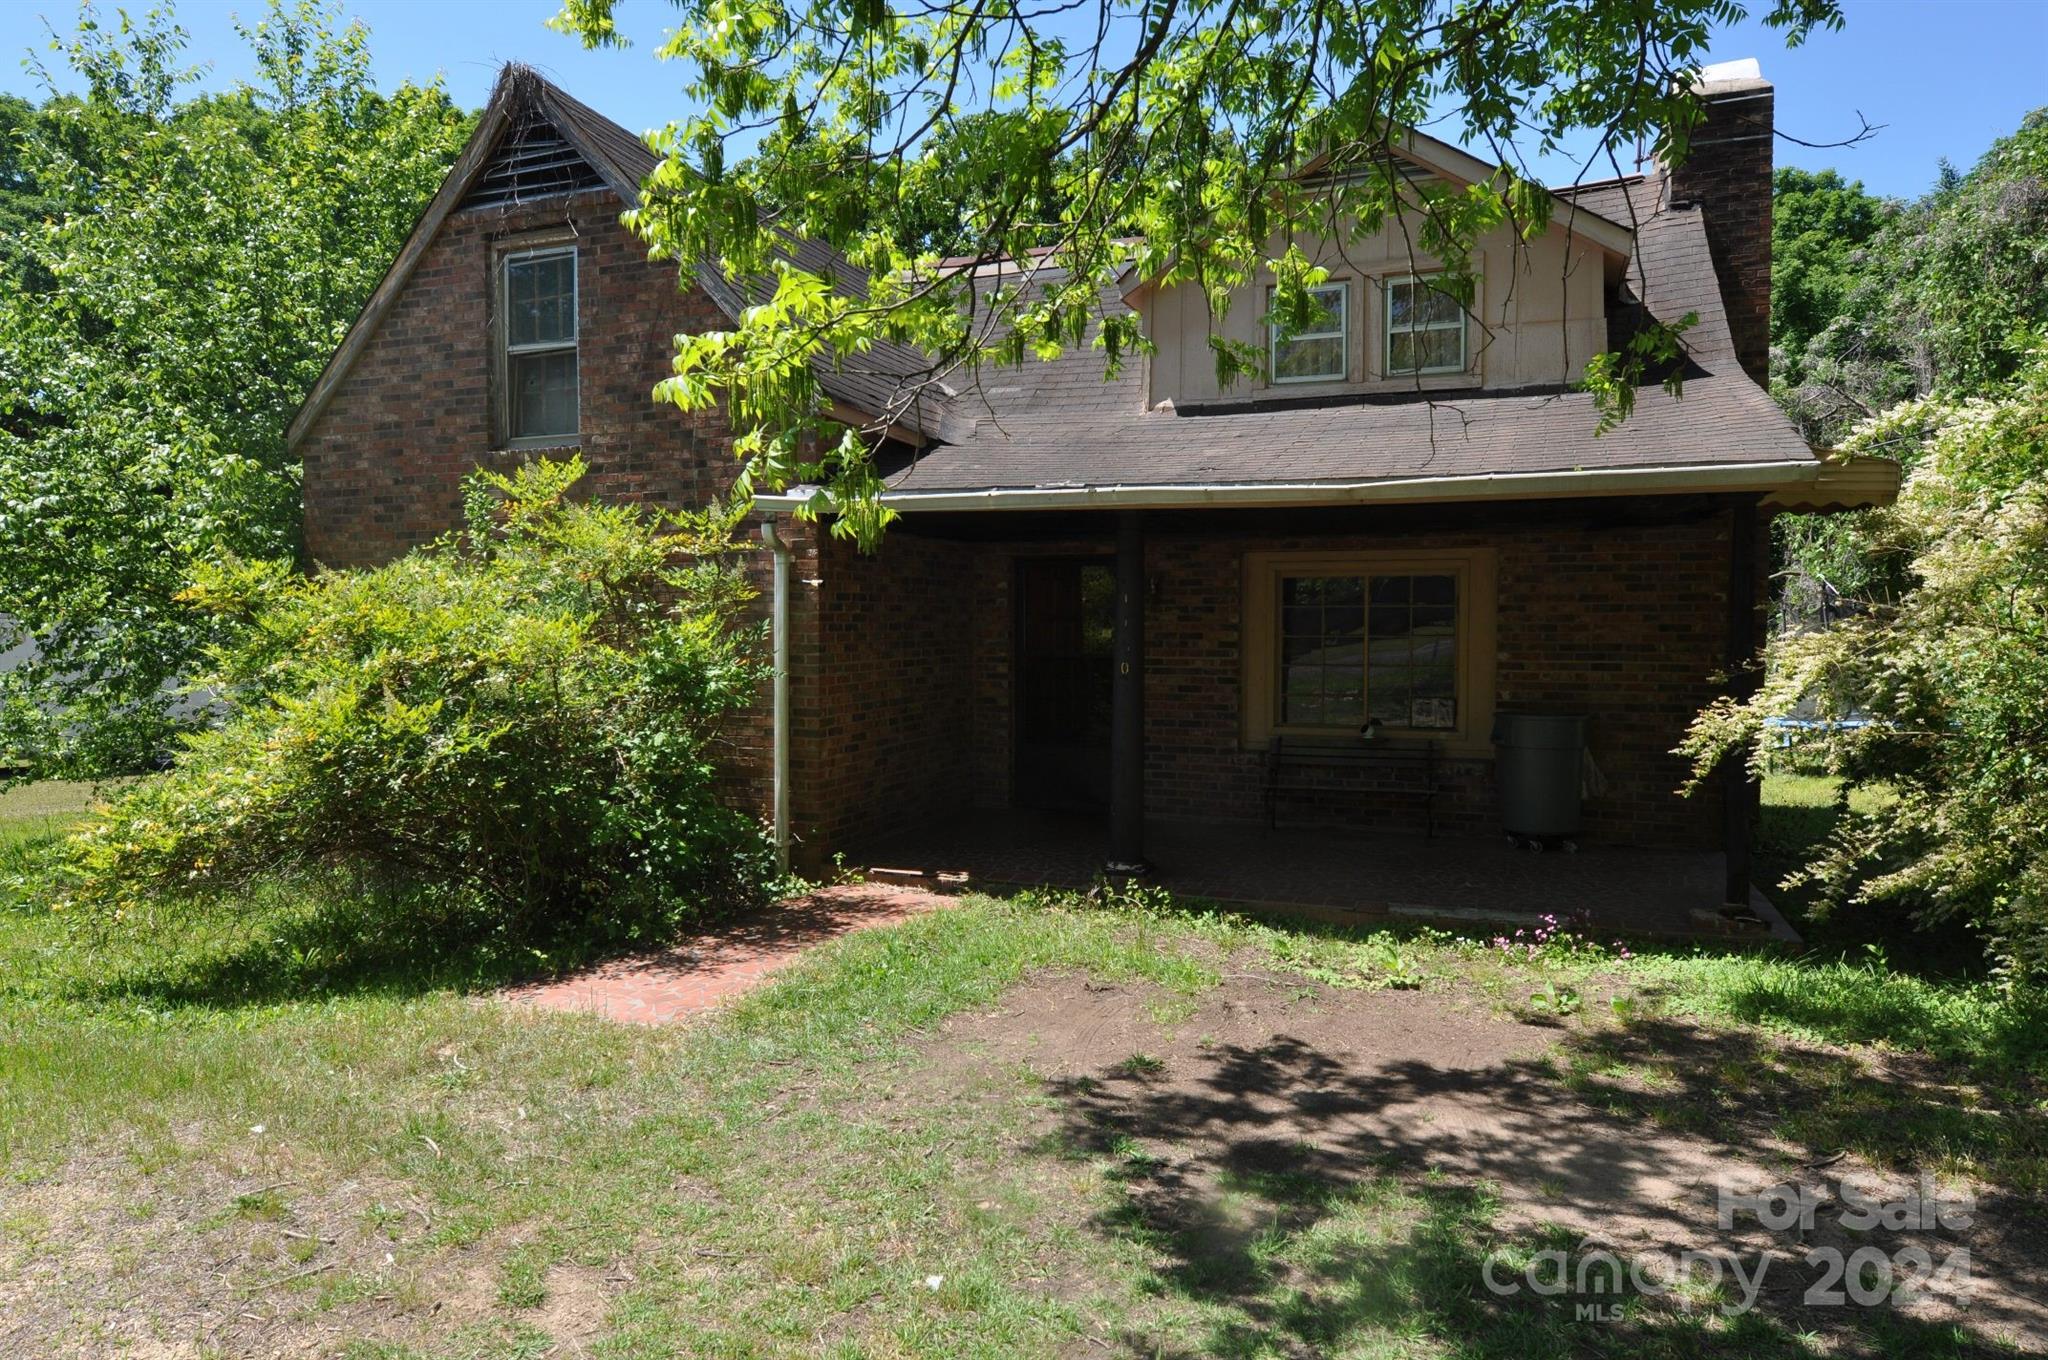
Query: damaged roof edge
[622,160]
[1803,482]
[515,84]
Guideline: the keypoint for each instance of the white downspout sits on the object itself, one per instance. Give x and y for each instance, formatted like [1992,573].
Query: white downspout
[779,626]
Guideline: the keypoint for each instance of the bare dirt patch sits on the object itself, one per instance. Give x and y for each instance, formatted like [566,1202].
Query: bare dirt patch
[1269,1078]
[577,1300]
[199,1259]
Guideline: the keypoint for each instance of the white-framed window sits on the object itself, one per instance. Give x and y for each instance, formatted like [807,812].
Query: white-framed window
[538,334]
[1425,328]
[1402,640]
[1323,352]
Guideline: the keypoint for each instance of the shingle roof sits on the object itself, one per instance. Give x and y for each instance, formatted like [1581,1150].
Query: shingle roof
[872,383]
[623,154]
[879,383]
[1061,424]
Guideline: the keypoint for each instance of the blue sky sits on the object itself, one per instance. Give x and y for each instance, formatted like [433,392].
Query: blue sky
[1945,77]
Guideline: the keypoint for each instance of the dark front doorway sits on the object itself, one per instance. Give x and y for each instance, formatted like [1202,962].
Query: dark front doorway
[1066,611]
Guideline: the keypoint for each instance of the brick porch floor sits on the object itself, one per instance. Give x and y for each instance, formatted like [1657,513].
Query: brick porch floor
[1457,881]
[722,961]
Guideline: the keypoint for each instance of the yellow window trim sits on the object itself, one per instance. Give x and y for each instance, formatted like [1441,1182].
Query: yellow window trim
[1475,569]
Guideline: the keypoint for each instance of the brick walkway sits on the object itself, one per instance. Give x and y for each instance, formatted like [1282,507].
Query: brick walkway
[700,971]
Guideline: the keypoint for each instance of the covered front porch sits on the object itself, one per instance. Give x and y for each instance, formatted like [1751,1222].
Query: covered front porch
[1466,882]
[1017,699]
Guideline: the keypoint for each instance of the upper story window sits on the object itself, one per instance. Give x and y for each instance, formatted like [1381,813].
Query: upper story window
[539,338]
[1321,353]
[1425,328]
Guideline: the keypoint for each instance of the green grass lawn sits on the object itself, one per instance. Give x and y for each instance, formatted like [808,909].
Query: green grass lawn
[1798,813]
[340,1149]
[31,812]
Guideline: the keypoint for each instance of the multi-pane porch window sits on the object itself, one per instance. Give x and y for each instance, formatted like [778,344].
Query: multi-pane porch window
[1425,328]
[1378,647]
[540,345]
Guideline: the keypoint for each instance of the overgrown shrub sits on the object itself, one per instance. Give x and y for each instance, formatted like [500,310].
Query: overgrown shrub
[520,716]
[1946,675]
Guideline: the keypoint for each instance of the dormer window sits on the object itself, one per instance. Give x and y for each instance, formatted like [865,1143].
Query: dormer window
[1322,352]
[539,338]
[1425,328]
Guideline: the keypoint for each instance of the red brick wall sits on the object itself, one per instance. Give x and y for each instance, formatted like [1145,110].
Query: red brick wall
[385,459]
[900,668]
[883,691]
[1728,174]
[1625,622]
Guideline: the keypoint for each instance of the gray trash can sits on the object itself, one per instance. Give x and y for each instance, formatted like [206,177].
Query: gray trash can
[1538,767]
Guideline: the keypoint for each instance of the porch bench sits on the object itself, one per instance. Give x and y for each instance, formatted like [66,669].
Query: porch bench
[1413,766]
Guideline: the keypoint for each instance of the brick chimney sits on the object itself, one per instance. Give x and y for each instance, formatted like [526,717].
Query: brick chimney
[1727,176]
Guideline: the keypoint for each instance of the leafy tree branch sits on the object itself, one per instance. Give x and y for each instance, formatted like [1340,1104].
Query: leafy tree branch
[1183,141]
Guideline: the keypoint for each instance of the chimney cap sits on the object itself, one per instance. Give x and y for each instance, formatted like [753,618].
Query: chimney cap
[1728,77]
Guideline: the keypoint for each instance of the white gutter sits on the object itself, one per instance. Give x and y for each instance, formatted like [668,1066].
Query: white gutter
[780,627]
[1491,486]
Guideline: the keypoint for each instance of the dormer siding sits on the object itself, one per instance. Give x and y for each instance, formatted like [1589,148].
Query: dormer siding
[1539,315]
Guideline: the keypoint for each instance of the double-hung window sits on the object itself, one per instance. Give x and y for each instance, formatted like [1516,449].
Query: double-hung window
[1425,330]
[1321,353]
[539,337]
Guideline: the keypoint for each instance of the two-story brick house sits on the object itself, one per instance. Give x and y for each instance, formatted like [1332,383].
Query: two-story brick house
[1114,596]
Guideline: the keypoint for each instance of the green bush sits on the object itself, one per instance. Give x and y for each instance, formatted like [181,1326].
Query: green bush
[520,717]
[1947,677]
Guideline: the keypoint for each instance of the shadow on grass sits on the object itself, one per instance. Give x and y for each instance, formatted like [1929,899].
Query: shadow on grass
[1904,1112]
[1789,828]
[1799,814]
[282,942]
[1283,1216]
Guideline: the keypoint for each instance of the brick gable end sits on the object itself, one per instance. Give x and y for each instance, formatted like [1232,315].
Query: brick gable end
[386,456]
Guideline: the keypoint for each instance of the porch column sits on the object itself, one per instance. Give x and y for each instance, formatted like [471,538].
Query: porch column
[1127,704]
[1739,790]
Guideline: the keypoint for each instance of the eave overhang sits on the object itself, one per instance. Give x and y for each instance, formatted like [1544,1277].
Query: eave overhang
[1803,483]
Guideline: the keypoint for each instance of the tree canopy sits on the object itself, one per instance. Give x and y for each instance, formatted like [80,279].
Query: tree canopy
[1936,685]
[1933,679]
[23,204]
[1183,139]
[1820,224]
[192,260]
[1949,295]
